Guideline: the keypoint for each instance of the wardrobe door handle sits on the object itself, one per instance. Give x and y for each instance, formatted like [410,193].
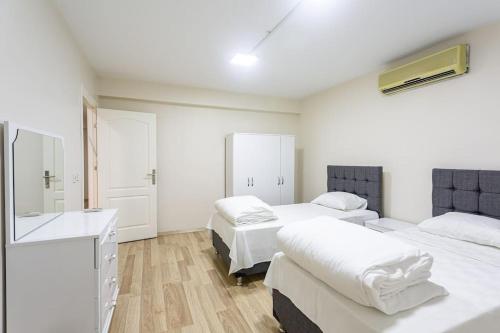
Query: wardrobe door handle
[282,180]
[279,181]
[248,181]
[252,181]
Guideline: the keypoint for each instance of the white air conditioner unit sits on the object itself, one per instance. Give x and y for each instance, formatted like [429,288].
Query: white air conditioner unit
[435,67]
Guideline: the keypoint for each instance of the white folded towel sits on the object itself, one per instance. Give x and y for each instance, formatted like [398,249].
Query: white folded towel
[368,267]
[246,209]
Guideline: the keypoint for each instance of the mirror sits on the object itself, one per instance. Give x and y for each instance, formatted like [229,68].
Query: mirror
[38,165]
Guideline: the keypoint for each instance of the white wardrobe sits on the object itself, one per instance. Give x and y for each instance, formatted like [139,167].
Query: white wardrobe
[262,165]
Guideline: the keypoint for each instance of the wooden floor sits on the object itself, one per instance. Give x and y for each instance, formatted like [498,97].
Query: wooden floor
[176,283]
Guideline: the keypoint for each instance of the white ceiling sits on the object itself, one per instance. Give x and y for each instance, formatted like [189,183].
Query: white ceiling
[324,42]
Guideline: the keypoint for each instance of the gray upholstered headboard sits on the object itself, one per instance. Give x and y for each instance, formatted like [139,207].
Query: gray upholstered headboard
[365,181]
[469,191]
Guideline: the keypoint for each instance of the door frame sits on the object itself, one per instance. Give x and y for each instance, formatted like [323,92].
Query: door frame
[88,100]
[87,108]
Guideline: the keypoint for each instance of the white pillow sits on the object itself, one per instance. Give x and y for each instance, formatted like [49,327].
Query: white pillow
[468,227]
[341,200]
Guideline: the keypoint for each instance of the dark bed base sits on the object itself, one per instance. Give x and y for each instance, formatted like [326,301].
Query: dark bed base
[223,250]
[292,320]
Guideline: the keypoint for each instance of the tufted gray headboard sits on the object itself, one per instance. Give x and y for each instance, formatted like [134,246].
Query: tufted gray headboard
[365,181]
[469,191]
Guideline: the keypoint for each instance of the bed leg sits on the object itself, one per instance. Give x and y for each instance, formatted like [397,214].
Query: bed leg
[282,329]
[239,281]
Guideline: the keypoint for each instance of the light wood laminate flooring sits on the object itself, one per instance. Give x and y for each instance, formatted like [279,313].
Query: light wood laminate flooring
[176,283]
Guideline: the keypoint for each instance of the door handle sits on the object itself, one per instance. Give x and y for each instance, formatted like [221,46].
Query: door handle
[282,180]
[248,181]
[279,181]
[46,176]
[252,181]
[153,176]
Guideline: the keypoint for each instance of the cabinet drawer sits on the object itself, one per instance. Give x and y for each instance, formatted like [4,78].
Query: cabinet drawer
[107,309]
[109,283]
[108,249]
[109,257]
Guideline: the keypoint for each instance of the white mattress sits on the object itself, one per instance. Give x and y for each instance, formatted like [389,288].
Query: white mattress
[470,273]
[256,243]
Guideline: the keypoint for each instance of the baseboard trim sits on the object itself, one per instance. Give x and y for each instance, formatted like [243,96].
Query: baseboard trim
[173,232]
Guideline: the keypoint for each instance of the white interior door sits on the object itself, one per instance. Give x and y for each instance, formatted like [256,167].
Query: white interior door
[127,170]
[287,169]
[53,167]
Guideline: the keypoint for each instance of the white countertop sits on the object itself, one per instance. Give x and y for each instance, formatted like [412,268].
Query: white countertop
[75,224]
[26,224]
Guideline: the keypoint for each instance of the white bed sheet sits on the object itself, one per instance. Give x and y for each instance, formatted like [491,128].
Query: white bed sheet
[470,273]
[256,243]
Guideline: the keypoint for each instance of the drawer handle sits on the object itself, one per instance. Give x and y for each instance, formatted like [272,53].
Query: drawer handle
[110,258]
[110,306]
[111,281]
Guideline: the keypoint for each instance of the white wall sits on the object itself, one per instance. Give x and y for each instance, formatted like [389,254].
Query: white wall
[451,124]
[191,154]
[187,96]
[42,75]
[41,80]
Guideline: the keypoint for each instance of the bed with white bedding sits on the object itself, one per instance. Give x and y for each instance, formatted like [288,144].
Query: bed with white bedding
[248,249]
[256,243]
[464,265]
[470,273]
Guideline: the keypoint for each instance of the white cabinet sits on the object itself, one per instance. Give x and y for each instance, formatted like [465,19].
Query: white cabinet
[62,277]
[262,165]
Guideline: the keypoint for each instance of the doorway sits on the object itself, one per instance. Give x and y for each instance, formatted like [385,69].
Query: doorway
[90,174]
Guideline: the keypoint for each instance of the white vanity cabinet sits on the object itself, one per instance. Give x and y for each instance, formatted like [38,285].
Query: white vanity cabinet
[62,277]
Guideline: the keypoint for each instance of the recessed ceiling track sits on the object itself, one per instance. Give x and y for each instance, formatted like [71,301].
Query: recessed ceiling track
[276,26]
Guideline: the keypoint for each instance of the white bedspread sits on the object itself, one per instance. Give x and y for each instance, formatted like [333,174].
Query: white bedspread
[379,271]
[253,244]
[245,209]
[470,273]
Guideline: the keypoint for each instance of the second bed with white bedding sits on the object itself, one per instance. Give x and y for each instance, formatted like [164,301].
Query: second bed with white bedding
[470,273]
[257,243]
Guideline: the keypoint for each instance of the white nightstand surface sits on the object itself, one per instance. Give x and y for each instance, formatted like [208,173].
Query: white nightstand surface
[386,224]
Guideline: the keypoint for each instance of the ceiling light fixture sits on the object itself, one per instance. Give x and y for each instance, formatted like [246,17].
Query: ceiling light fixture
[244,59]
[250,59]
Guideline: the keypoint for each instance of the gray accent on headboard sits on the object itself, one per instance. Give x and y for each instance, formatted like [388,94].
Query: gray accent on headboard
[364,181]
[469,191]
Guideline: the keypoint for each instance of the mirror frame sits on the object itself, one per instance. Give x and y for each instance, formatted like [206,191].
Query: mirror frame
[10,133]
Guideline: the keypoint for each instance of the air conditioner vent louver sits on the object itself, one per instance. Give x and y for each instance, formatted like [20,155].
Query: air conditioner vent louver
[439,66]
[420,81]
